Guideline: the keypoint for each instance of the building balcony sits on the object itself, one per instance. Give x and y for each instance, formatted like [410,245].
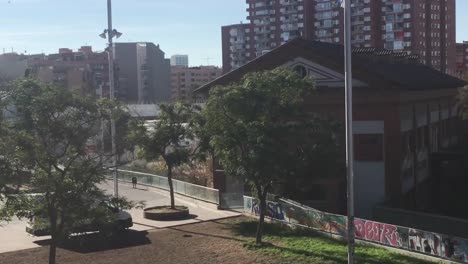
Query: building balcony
[358,22]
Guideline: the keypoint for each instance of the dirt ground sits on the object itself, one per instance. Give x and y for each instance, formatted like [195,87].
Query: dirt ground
[207,242]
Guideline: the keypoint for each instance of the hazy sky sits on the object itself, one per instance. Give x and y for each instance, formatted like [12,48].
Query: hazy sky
[180,26]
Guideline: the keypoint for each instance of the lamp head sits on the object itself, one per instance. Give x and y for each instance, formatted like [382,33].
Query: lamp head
[103,34]
[116,33]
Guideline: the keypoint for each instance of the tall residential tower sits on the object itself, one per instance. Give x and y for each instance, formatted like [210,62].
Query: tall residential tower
[421,27]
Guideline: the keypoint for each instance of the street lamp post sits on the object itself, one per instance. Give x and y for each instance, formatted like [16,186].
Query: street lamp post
[111,33]
[349,129]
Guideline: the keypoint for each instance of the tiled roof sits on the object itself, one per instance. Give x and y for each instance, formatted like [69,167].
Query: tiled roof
[380,68]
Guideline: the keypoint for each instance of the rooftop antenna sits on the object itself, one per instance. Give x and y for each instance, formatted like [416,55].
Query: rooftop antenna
[207,60]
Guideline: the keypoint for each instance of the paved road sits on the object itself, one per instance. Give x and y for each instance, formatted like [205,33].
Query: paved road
[13,236]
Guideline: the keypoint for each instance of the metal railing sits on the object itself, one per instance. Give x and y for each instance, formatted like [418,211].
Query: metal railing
[188,189]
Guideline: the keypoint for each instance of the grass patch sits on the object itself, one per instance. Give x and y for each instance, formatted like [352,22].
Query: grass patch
[303,246]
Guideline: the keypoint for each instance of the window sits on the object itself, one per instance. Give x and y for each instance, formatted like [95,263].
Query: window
[300,70]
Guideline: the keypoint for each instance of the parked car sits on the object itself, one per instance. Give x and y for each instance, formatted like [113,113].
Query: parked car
[121,220]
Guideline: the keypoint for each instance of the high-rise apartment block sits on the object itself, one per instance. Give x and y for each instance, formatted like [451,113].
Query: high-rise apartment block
[238,48]
[179,60]
[462,60]
[143,73]
[184,80]
[420,27]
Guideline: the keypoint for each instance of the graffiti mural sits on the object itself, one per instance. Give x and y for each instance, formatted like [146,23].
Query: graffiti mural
[273,210]
[381,233]
[295,214]
[455,249]
[425,242]
[447,247]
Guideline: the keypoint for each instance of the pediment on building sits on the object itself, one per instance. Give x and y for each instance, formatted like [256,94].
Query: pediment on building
[323,76]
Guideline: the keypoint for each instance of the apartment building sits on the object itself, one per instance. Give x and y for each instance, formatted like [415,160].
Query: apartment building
[462,61]
[238,48]
[421,27]
[12,66]
[143,73]
[83,71]
[184,80]
[179,60]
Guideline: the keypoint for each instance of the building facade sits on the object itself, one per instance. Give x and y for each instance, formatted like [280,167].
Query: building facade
[184,80]
[404,113]
[462,60]
[142,72]
[84,71]
[237,46]
[180,60]
[422,27]
[12,66]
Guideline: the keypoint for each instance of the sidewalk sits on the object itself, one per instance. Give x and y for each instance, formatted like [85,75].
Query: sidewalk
[199,210]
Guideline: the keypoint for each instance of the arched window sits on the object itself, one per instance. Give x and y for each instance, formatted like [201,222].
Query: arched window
[300,70]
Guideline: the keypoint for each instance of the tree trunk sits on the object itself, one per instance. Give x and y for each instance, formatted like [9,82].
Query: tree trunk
[52,250]
[258,238]
[171,187]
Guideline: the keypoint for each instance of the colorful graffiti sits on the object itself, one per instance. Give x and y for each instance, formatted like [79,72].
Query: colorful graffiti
[381,233]
[455,249]
[298,215]
[447,247]
[425,242]
[273,210]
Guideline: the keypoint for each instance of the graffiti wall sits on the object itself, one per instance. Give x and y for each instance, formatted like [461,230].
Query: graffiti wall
[286,211]
[455,249]
[386,234]
[425,242]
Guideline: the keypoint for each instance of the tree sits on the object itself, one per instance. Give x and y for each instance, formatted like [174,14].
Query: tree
[256,127]
[51,131]
[166,139]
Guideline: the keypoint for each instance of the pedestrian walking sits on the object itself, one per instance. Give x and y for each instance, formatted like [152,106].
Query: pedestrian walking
[134,182]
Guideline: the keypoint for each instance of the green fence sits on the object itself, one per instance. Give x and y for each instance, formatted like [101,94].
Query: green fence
[192,190]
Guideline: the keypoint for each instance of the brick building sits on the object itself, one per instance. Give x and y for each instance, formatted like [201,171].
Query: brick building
[422,27]
[462,60]
[84,71]
[404,112]
[184,80]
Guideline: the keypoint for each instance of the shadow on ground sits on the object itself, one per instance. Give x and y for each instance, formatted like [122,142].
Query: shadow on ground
[96,242]
[189,217]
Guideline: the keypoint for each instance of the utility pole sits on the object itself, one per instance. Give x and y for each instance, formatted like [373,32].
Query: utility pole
[110,52]
[349,129]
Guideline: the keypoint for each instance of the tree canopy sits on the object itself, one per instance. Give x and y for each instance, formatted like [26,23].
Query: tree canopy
[166,139]
[49,138]
[260,129]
